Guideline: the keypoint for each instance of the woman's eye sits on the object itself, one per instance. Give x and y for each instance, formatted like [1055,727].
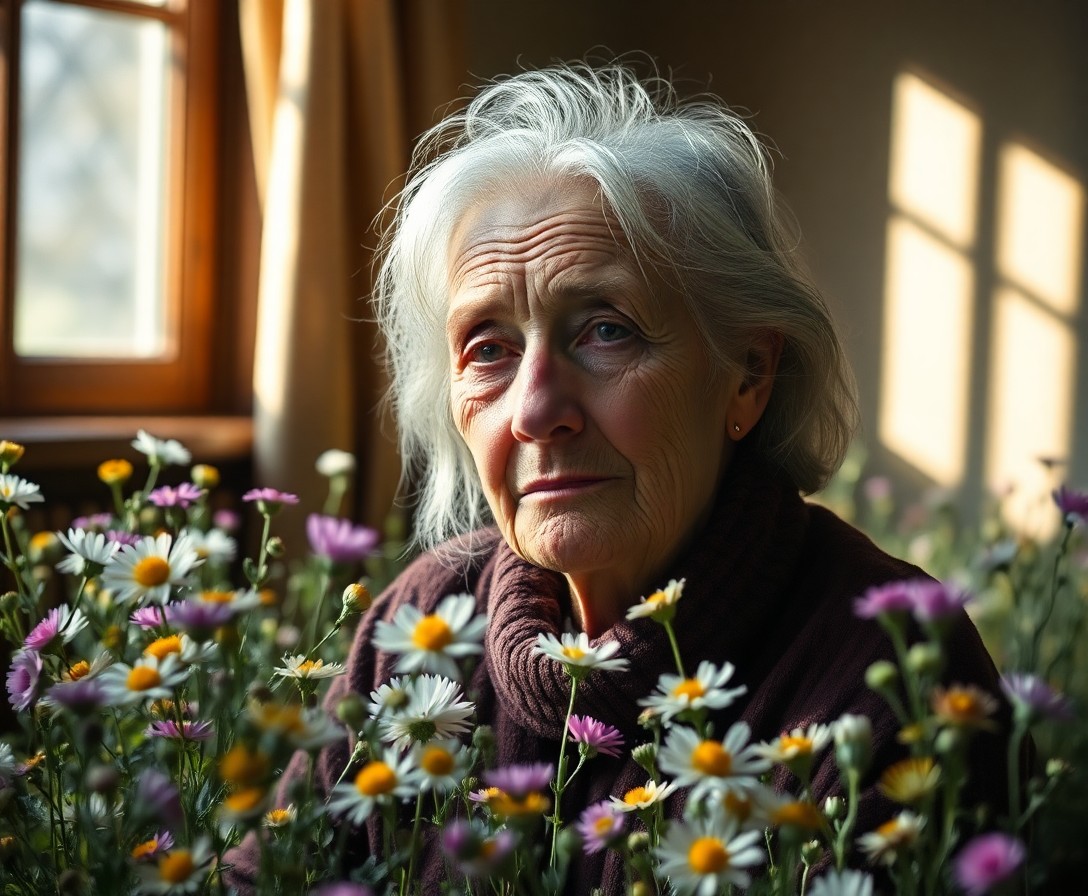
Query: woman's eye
[487,353]
[607,331]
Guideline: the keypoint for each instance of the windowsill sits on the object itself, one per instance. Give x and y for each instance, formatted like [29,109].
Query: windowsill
[70,442]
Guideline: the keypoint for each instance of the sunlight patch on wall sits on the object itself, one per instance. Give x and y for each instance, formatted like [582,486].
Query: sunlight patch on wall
[1039,235]
[927,327]
[929,284]
[935,145]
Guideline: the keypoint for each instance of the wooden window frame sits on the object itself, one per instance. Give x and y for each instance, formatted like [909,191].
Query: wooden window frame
[181,381]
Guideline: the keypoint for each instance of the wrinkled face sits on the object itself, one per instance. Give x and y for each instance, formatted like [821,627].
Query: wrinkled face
[587,399]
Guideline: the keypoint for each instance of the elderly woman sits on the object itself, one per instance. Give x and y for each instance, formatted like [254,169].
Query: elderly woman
[609,371]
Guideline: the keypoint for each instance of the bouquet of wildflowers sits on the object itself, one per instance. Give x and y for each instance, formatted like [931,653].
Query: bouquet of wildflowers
[160,705]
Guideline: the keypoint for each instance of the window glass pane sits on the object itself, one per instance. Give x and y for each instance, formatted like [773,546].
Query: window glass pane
[90,227]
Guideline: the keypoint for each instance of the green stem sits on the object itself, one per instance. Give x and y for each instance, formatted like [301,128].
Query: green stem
[1015,740]
[675,649]
[852,781]
[10,551]
[1037,637]
[406,881]
[560,769]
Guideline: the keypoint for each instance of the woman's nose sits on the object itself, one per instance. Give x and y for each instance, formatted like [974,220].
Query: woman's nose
[546,400]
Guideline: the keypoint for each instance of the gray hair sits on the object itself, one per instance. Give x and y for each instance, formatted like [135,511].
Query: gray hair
[688,183]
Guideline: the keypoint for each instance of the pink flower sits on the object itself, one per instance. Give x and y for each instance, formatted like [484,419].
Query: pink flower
[22,682]
[475,852]
[339,540]
[936,600]
[1033,697]
[150,617]
[893,597]
[520,780]
[1072,504]
[227,520]
[269,500]
[60,622]
[182,496]
[597,736]
[986,861]
[80,697]
[186,730]
[600,826]
[342,889]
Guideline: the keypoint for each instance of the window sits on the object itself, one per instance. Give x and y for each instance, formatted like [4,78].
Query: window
[107,187]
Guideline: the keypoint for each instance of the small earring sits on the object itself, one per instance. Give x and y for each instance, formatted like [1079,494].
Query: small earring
[736,427]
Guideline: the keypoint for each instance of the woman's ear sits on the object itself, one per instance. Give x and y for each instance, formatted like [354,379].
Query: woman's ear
[753,391]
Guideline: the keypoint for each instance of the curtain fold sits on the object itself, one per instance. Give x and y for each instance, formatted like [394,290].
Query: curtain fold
[331,85]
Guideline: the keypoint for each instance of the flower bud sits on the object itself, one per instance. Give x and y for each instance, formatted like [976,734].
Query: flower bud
[834,807]
[881,675]
[275,547]
[1056,768]
[115,472]
[352,712]
[638,841]
[356,598]
[205,476]
[949,741]
[924,658]
[9,600]
[10,452]
[335,462]
[811,852]
[646,756]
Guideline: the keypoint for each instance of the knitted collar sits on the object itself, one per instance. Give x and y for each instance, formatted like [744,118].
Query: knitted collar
[735,573]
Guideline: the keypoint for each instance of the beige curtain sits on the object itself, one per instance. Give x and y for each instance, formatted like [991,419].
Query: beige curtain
[337,89]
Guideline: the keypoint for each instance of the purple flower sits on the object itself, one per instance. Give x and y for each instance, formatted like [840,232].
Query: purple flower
[26,670]
[186,730]
[893,597]
[199,617]
[339,540]
[519,781]
[877,488]
[227,520]
[183,496]
[269,500]
[96,522]
[81,697]
[935,600]
[60,622]
[986,861]
[119,537]
[475,853]
[151,617]
[158,798]
[597,736]
[1034,698]
[150,850]
[600,825]
[1072,504]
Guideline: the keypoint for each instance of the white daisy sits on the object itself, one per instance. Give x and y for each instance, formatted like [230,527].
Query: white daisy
[638,798]
[149,569]
[676,694]
[17,492]
[379,781]
[433,642]
[708,856]
[299,667]
[797,749]
[661,605]
[306,728]
[240,601]
[215,546]
[89,552]
[148,679]
[712,765]
[441,765]
[888,841]
[177,871]
[335,462]
[576,654]
[161,452]
[411,711]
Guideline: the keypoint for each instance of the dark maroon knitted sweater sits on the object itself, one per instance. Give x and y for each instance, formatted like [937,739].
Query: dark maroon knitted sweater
[770,587]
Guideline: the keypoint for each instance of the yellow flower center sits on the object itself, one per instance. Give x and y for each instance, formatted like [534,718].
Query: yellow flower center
[436,761]
[176,867]
[432,633]
[794,746]
[636,795]
[375,779]
[691,688]
[245,800]
[287,719]
[42,540]
[308,666]
[573,653]
[277,817]
[504,805]
[708,855]
[888,828]
[658,597]
[78,670]
[143,678]
[145,849]
[740,807]
[242,766]
[114,471]
[798,815]
[217,597]
[711,759]
[602,825]
[163,647]
[151,571]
